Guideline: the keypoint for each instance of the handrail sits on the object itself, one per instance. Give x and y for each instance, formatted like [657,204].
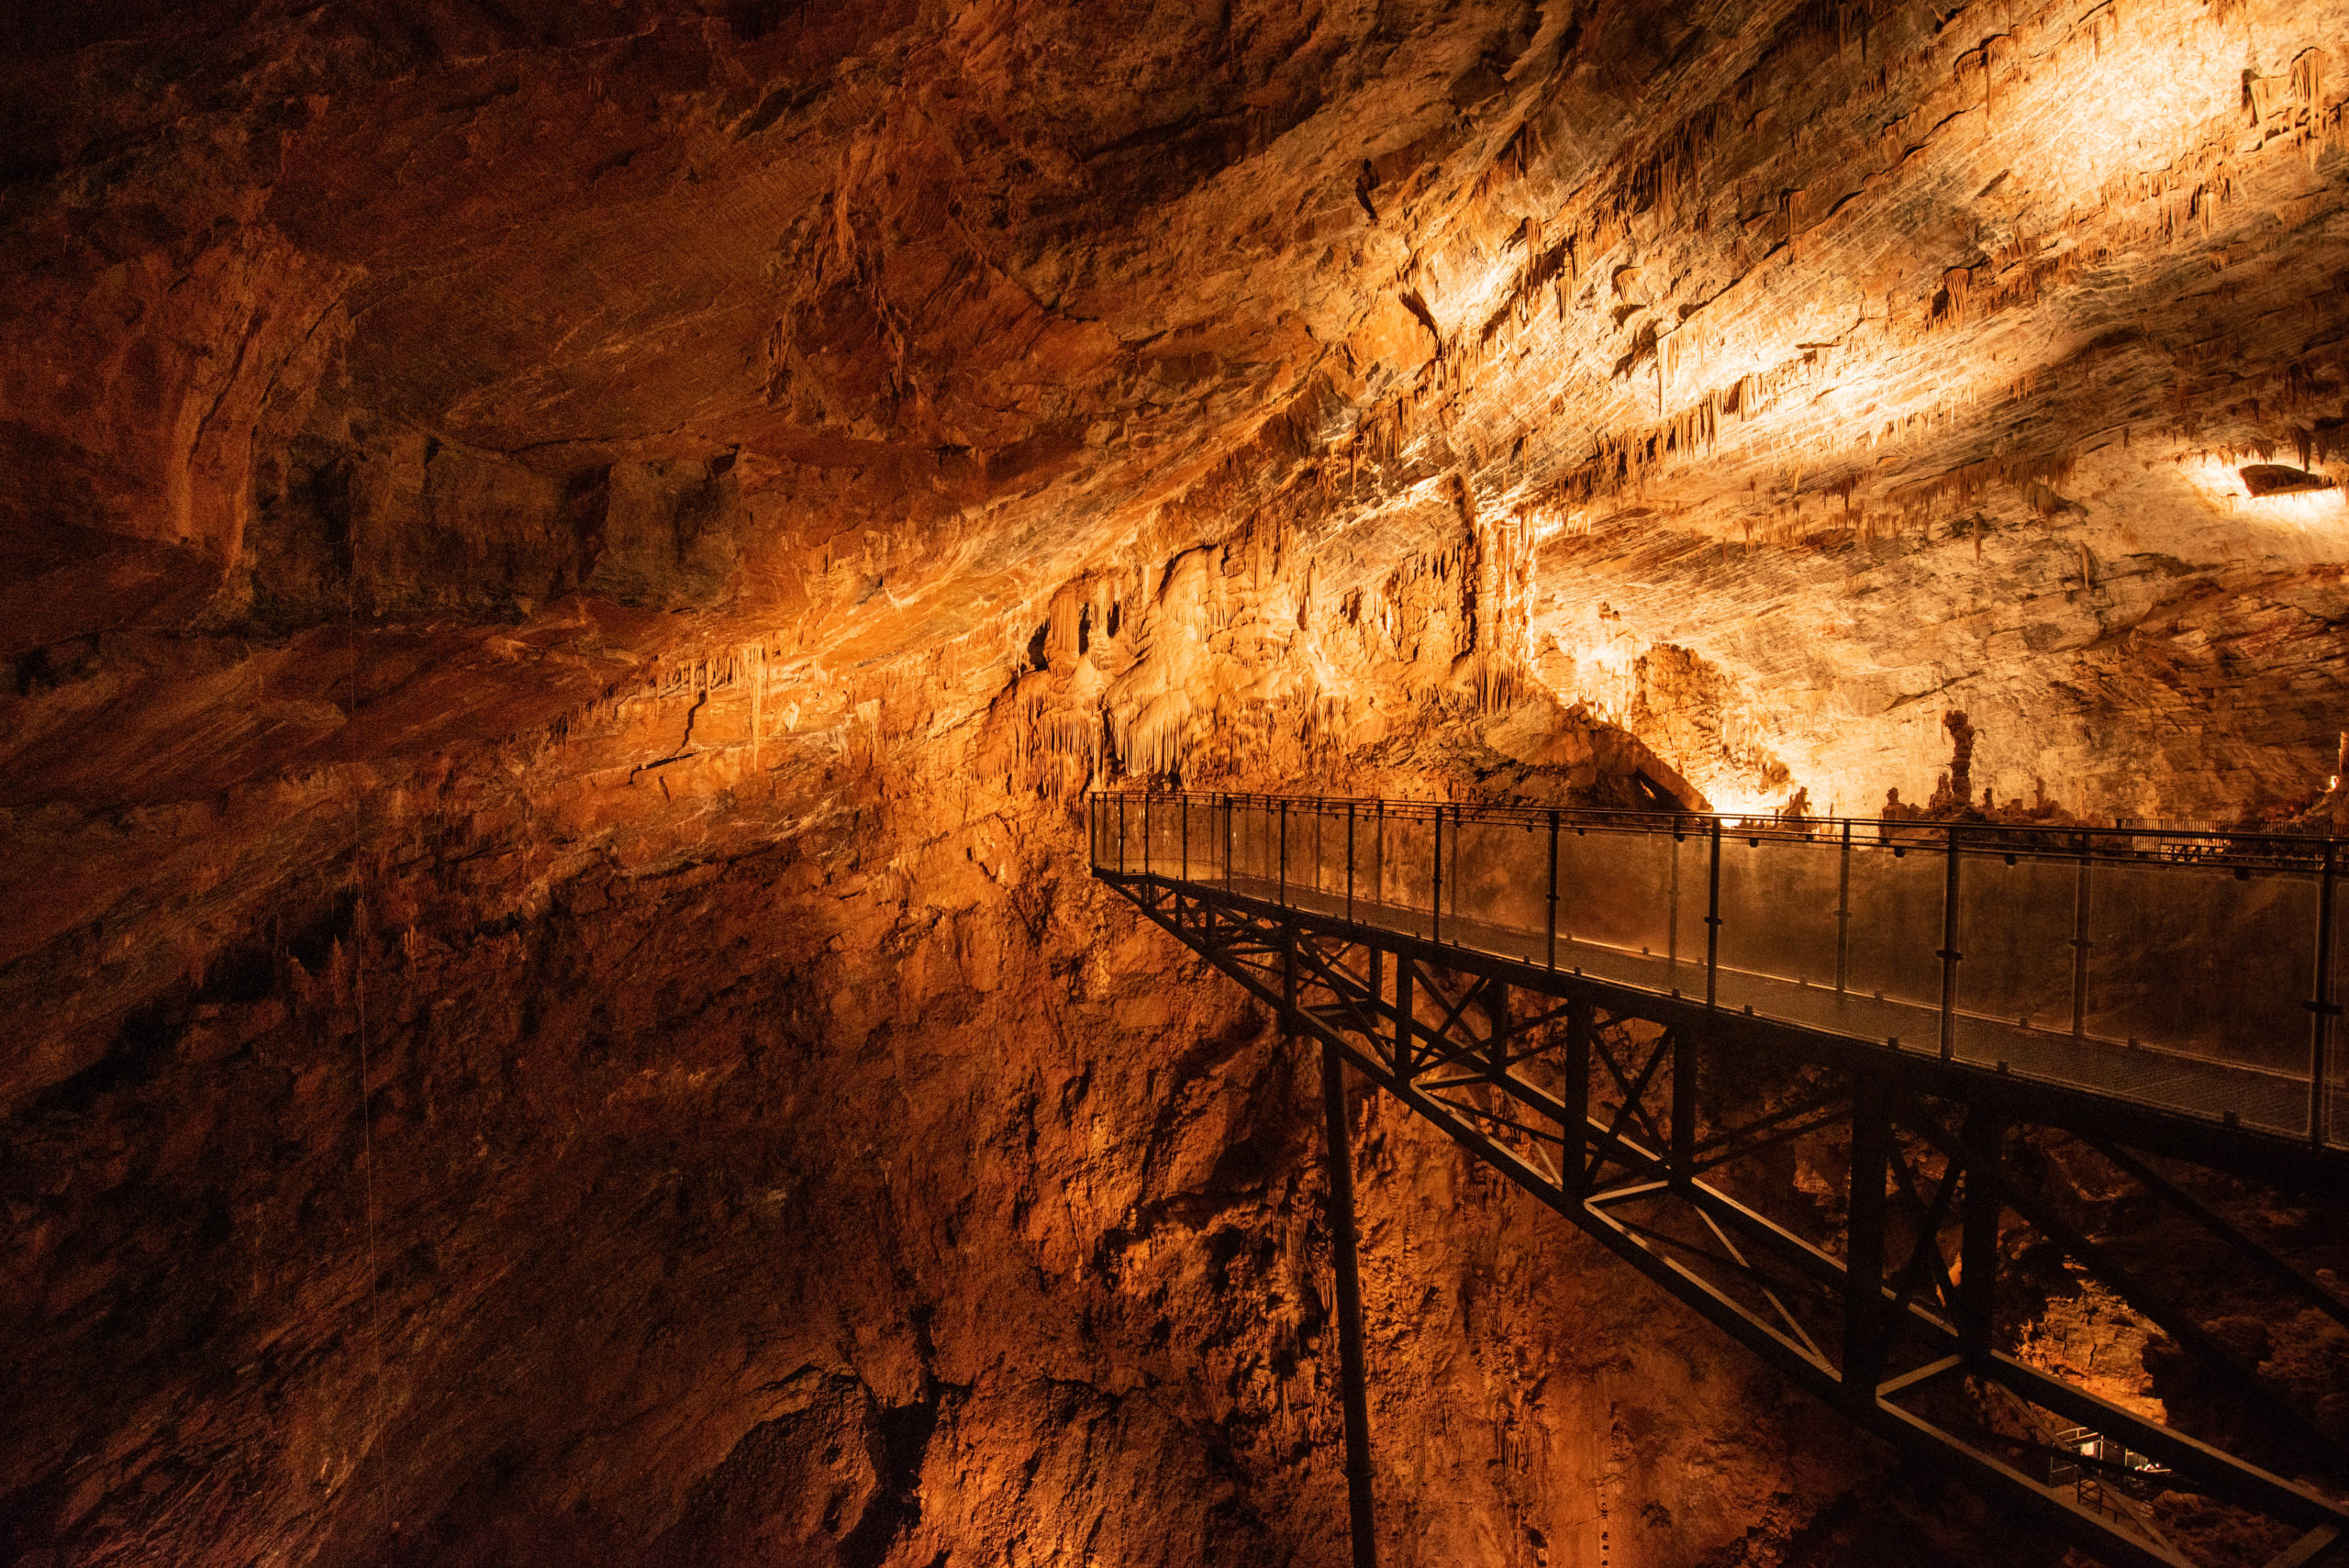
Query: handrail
[1983,835]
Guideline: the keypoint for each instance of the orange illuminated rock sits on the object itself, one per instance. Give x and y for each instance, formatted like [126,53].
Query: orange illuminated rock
[564,569]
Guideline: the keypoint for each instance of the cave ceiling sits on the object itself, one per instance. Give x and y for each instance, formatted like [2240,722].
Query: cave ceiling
[1810,370]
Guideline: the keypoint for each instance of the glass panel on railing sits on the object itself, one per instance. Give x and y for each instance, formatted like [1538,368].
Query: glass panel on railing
[1320,858]
[1340,859]
[1616,906]
[1147,815]
[1895,934]
[1780,896]
[2015,989]
[1500,891]
[2210,962]
[1365,864]
[1405,852]
[1296,827]
[1203,825]
[1331,853]
[1255,848]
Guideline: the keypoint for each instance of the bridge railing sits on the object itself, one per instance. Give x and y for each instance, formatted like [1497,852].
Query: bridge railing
[2196,970]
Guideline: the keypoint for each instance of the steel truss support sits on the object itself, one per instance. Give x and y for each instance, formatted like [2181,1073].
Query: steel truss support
[1594,1101]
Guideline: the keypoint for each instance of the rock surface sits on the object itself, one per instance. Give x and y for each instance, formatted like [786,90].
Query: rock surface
[565,566]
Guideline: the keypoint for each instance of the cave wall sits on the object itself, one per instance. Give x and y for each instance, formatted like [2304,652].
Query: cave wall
[584,556]
[662,1233]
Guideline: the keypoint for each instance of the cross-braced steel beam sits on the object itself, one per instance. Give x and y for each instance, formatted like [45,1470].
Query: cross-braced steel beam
[1594,1100]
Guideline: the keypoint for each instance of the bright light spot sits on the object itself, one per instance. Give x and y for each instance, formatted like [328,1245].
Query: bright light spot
[1547,525]
[1737,806]
[2222,485]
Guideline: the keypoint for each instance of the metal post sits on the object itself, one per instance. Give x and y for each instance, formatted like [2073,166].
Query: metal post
[1227,843]
[1145,835]
[1283,854]
[1982,1139]
[1121,834]
[1554,891]
[1435,884]
[1949,954]
[1321,820]
[1575,1098]
[1452,866]
[1349,862]
[2322,1009]
[1672,911]
[1864,1301]
[1182,804]
[1713,920]
[1844,915]
[2080,943]
[1353,1376]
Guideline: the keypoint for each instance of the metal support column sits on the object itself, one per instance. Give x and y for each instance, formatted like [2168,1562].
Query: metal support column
[1284,853]
[1121,834]
[1982,1140]
[1573,1100]
[1864,1303]
[1353,1376]
[2323,1009]
[1680,1159]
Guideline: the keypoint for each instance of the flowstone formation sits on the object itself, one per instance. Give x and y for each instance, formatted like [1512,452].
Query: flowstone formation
[566,568]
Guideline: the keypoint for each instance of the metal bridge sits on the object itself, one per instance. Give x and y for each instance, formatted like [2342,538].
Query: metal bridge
[1619,1011]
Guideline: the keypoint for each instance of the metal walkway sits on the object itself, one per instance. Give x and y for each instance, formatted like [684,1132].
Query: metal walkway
[1619,1012]
[2185,972]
